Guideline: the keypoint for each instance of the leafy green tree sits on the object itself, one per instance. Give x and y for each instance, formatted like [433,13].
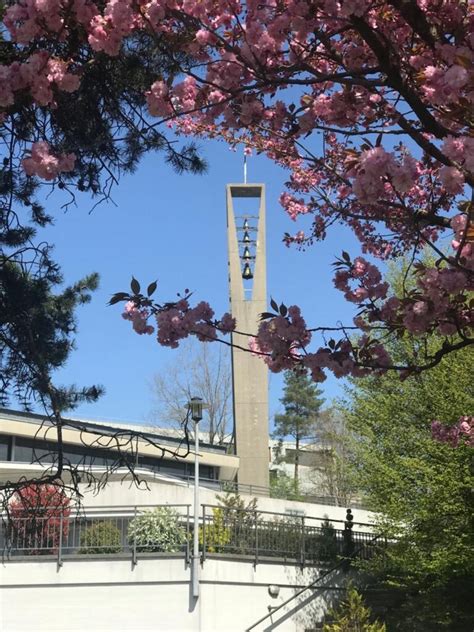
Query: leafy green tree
[283,486]
[301,401]
[353,616]
[423,489]
[333,475]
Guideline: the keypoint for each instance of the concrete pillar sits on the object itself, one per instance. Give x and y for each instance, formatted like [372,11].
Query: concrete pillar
[248,301]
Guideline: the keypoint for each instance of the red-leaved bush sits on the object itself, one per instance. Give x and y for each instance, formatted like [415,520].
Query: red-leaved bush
[37,515]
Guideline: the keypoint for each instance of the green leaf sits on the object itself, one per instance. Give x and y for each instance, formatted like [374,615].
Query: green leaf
[151,288]
[135,286]
[118,297]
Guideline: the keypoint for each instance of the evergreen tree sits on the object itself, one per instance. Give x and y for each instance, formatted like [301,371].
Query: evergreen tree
[302,402]
[108,139]
[36,328]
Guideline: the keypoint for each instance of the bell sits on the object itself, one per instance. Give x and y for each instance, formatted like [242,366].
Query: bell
[246,238]
[247,273]
[246,254]
[246,224]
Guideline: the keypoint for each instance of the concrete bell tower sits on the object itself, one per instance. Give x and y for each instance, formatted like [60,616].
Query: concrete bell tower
[248,291]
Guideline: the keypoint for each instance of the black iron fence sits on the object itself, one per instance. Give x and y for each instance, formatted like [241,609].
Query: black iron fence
[168,529]
[264,535]
[120,532]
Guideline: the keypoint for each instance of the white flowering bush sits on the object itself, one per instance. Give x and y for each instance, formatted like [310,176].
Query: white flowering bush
[157,531]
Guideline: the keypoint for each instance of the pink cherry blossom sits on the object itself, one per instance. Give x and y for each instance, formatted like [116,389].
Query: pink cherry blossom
[462,433]
[383,147]
[46,165]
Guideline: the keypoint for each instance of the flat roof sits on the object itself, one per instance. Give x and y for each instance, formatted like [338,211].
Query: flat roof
[145,431]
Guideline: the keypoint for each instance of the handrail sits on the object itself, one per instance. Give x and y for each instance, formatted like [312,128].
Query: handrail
[316,581]
[248,488]
[109,508]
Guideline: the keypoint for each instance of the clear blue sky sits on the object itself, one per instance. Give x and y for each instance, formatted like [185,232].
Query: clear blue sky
[173,228]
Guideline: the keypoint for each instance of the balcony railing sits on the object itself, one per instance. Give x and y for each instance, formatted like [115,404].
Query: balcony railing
[258,490]
[143,531]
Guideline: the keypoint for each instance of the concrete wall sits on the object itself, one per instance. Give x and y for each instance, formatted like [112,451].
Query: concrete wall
[123,493]
[87,595]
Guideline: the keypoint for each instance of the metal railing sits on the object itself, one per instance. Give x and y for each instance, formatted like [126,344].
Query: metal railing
[264,535]
[168,529]
[101,531]
[323,576]
[225,486]
[258,490]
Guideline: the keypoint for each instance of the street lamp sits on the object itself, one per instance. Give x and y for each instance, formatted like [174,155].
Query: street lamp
[195,406]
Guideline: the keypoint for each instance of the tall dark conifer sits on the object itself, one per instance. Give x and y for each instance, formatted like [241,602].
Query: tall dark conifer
[302,402]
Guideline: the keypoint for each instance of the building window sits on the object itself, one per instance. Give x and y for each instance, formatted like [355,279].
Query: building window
[5,442]
[29,451]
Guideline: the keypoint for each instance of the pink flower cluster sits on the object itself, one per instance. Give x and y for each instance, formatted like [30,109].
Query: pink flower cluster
[370,285]
[463,248]
[280,339]
[461,433]
[440,302]
[442,86]
[376,173]
[38,75]
[293,206]
[35,19]
[46,165]
[139,318]
[181,320]
[107,31]
[283,342]
[157,99]
[227,324]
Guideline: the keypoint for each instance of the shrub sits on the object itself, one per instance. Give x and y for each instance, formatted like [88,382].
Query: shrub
[239,519]
[353,616]
[36,513]
[218,536]
[101,537]
[157,531]
[327,542]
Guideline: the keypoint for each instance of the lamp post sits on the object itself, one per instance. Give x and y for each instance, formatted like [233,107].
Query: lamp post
[195,407]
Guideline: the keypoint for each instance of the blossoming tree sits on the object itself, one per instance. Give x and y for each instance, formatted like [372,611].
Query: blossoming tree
[368,105]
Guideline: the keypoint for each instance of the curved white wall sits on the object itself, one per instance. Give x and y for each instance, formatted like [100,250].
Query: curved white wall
[104,595]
